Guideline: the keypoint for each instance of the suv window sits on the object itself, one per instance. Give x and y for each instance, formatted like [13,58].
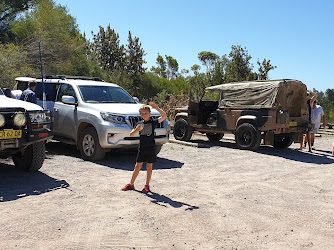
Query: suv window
[66,89]
[104,94]
[50,91]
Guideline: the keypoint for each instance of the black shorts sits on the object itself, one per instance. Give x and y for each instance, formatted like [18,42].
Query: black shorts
[148,156]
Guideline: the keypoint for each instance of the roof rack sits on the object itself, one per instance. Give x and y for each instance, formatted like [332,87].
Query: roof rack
[63,77]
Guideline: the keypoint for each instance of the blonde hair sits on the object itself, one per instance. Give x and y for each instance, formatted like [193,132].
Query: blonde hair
[144,107]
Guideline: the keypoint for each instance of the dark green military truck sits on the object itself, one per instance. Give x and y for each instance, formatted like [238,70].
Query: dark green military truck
[274,111]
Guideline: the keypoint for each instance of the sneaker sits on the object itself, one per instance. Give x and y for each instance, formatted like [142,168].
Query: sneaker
[146,189]
[128,187]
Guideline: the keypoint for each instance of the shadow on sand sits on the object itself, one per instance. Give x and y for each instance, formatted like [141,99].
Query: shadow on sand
[316,156]
[16,184]
[117,158]
[163,201]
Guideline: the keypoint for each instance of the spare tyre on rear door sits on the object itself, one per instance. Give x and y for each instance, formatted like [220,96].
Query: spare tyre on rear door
[182,131]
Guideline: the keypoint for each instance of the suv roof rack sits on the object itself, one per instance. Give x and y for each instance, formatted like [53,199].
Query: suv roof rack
[63,77]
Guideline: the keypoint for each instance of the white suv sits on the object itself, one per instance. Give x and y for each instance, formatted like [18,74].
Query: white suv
[92,114]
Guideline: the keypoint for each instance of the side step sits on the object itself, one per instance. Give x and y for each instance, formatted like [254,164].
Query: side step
[64,140]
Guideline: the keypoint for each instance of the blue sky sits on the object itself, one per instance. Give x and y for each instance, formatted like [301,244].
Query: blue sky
[296,35]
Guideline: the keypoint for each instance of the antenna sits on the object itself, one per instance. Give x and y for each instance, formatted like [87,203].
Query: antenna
[43,87]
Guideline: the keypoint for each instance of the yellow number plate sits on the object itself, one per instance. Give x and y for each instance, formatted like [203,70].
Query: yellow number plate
[293,124]
[10,134]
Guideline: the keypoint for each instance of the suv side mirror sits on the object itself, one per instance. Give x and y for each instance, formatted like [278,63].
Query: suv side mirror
[136,99]
[68,100]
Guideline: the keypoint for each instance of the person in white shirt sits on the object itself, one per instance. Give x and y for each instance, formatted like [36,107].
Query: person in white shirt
[316,114]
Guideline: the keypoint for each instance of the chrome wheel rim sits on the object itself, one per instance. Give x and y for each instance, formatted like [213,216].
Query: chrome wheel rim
[88,145]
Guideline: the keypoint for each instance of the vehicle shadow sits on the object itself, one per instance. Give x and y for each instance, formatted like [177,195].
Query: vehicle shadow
[126,159]
[163,200]
[316,157]
[209,144]
[16,184]
[59,148]
[117,158]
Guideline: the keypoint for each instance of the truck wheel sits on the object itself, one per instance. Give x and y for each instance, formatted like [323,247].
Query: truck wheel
[247,137]
[89,145]
[214,136]
[32,158]
[283,141]
[182,131]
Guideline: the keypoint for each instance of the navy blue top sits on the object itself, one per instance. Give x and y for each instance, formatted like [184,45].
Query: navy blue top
[146,135]
[29,96]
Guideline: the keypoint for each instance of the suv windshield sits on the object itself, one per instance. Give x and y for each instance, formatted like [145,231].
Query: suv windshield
[104,94]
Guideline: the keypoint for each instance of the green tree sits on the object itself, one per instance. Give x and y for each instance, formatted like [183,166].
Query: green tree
[264,69]
[218,72]
[135,56]
[63,47]
[326,100]
[135,62]
[12,65]
[196,68]
[208,59]
[238,67]
[172,67]
[9,10]
[108,50]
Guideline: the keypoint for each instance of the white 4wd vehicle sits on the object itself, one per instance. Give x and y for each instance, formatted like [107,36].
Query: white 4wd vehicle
[94,115]
[24,128]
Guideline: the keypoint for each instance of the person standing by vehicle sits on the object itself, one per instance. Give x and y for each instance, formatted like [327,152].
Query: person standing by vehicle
[310,102]
[146,150]
[29,94]
[316,114]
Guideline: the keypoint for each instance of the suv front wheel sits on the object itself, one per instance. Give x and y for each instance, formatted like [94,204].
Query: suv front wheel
[247,137]
[89,145]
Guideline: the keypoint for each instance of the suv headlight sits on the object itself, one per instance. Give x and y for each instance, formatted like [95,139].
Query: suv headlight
[113,118]
[19,119]
[39,117]
[2,120]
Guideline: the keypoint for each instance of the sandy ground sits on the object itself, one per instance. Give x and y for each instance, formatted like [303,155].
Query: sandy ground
[216,197]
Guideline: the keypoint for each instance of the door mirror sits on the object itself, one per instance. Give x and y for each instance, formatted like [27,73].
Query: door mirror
[67,99]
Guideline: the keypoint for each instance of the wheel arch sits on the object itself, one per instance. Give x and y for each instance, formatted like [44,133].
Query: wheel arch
[248,119]
[81,127]
[182,115]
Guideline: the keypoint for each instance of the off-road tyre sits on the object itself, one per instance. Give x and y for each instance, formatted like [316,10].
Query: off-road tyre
[32,158]
[89,145]
[182,131]
[283,140]
[214,136]
[247,136]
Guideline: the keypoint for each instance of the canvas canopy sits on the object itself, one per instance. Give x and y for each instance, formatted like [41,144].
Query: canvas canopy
[288,94]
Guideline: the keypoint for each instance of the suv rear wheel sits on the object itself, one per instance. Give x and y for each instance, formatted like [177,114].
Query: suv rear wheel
[247,137]
[32,158]
[182,131]
[89,145]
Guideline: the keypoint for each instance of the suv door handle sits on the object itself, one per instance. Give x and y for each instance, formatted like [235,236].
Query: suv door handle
[56,109]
